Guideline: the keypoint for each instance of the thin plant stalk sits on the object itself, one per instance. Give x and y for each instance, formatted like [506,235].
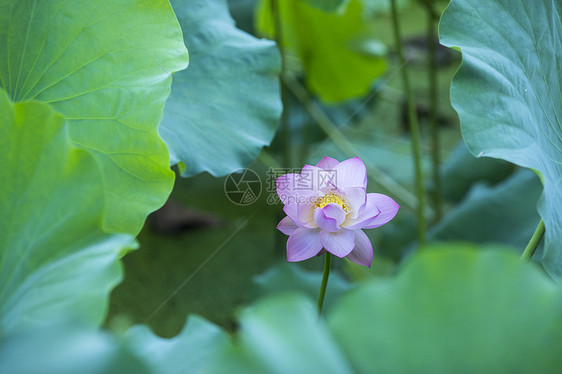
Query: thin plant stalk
[414,126]
[325,276]
[433,109]
[285,130]
[534,242]
[284,125]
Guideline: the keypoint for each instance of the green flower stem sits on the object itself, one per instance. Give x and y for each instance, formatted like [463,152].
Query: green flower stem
[414,126]
[325,275]
[433,110]
[534,242]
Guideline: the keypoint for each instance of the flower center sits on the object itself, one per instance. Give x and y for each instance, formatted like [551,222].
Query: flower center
[322,201]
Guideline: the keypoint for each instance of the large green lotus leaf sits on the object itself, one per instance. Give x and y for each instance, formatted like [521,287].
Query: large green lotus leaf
[67,348]
[280,335]
[454,308]
[106,67]
[54,257]
[334,48]
[494,214]
[225,107]
[191,351]
[507,92]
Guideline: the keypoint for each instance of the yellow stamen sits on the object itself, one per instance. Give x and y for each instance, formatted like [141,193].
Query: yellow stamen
[322,201]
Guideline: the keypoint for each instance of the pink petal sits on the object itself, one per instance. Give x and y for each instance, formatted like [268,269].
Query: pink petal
[319,178]
[303,244]
[388,209]
[366,214]
[327,163]
[330,217]
[356,198]
[334,211]
[294,188]
[303,187]
[291,211]
[305,214]
[362,253]
[339,243]
[301,210]
[285,188]
[287,226]
[351,173]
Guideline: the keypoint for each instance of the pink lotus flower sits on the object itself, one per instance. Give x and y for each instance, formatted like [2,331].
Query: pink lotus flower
[327,207]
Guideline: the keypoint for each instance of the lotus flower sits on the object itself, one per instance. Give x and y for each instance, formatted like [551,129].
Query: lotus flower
[327,207]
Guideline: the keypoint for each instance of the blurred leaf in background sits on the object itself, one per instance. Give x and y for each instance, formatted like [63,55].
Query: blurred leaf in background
[283,334]
[193,349]
[287,277]
[327,5]
[376,7]
[454,307]
[503,213]
[339,51]
[461,170]
[67,348]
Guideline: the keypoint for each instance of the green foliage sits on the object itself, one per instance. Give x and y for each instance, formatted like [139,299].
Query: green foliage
[382,266]
[389,155]
[290,277]
[335,49]
[67,348]
[283,335]
[224,108]
[376,7]
[326,5]
[461,170]
[193,349]
[507,92]
[54,258]
[82,89]
[107,70]
[494,214]
[454,307]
